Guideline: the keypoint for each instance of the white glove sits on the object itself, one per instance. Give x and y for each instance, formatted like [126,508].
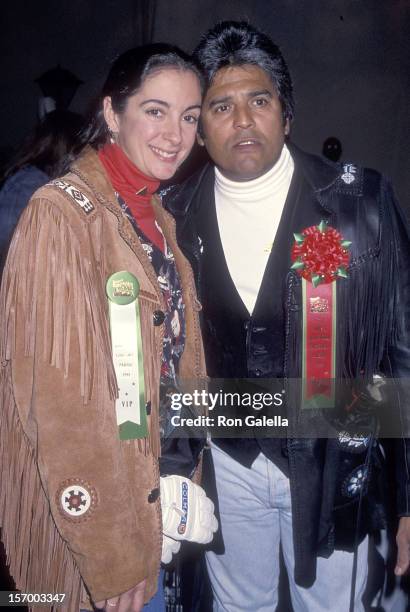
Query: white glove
[169,547]
[187,513]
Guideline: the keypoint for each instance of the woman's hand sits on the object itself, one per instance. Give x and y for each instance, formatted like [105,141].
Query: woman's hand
[131,601]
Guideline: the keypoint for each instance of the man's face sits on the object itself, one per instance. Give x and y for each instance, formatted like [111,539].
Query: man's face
[242,122]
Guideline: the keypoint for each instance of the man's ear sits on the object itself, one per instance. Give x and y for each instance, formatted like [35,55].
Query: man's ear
[110,116]
[287,127]
[200,140]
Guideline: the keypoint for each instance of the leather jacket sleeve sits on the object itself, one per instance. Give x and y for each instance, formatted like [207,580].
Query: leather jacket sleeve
[398,352]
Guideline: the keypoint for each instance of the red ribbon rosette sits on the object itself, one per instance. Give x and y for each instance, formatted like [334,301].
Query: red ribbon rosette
[320,255]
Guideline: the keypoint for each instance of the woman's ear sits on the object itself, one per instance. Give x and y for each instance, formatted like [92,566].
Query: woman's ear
[111,117]
[200,140]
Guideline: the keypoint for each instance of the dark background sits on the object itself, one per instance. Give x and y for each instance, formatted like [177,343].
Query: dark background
[349,59]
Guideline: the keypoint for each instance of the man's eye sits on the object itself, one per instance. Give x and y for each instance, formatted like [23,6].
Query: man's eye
[191,119]
[221,108]
[154,112]
[260,102]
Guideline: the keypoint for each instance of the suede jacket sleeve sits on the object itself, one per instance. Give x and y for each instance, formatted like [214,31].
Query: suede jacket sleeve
[81,493]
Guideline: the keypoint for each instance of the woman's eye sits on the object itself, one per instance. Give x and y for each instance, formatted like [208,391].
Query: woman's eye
[154,112]
[191,118]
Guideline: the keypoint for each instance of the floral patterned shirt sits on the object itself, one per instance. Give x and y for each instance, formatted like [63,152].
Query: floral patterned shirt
[174,322]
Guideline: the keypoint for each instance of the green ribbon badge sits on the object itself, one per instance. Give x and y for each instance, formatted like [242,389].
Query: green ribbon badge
[122,290]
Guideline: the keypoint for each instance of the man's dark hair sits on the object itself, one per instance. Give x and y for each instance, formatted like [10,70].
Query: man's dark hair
[235,43]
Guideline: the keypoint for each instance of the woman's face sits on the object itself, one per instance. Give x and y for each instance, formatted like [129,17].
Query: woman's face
[158,126]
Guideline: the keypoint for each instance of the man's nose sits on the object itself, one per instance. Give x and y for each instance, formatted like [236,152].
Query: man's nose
[243,117]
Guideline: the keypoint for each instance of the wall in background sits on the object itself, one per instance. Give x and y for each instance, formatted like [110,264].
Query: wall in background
[349,59]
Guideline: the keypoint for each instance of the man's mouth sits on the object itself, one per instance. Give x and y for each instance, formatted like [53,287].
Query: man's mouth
[168,156]
[246,142]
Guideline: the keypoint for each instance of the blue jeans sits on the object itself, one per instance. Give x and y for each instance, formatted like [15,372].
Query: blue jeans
[256,517]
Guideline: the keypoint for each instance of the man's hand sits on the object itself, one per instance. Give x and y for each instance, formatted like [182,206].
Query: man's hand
[169,547]
[187,513]
[131,601]
[403,546]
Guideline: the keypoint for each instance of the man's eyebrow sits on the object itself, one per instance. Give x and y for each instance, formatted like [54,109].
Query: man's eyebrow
[222,100]
[261,92]
[249,94]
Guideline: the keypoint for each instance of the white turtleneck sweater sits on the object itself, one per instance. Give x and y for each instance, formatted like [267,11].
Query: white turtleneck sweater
[248,216]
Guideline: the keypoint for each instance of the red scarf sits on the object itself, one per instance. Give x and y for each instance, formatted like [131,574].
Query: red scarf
[135,189]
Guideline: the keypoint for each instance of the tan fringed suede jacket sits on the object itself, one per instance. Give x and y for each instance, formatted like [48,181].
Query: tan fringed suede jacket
[59,443]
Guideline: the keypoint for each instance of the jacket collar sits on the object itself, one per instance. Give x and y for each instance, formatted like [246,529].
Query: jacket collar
[179,199]
[319,173]
[89,168]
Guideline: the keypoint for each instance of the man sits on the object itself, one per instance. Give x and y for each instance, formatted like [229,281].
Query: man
[237,222]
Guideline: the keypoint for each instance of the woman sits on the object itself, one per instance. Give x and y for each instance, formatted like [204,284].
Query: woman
[44,155]
[97,294]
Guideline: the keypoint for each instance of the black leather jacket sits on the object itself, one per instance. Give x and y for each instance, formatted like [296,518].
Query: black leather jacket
[373,337]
